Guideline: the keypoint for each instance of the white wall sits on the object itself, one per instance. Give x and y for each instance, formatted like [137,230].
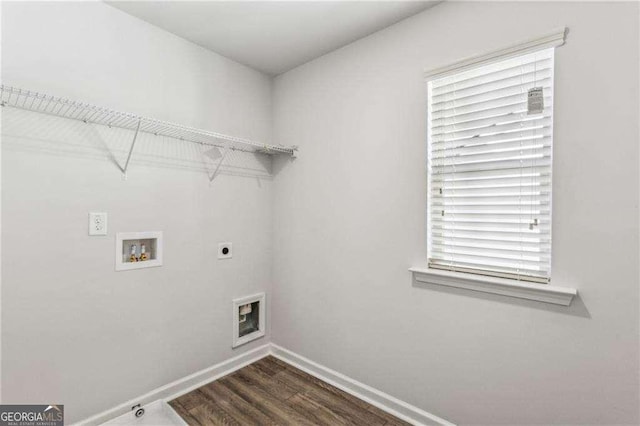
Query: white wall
[347,217]
[350,219]
[75,331]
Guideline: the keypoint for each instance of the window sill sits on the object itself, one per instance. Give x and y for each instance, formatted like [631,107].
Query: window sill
[540,292]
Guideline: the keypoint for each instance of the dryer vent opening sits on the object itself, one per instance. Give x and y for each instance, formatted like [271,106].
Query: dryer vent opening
[248,318]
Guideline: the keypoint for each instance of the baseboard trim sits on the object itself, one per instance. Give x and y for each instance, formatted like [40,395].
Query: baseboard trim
[385,402]
[183,385]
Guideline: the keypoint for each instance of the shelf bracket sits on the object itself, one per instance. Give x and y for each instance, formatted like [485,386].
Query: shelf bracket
[215,172]
[133,144]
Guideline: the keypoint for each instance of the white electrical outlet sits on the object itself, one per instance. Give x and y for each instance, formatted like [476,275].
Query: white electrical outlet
[225,251]
[97,223]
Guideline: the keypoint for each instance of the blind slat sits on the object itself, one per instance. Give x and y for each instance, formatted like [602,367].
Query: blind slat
[482,236]
[496,271]
[504,264]
[533,247]
[531,124]
[491,153]
[492,183]
[474,177]
[531,257]
[497,146]
[450,126]
[535,161]
[492,95]
[479,213]
[540,77]
[517,69]
[462,117]
[493,139]
[484,106]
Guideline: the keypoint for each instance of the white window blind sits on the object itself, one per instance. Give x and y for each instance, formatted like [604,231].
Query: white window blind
[490,169]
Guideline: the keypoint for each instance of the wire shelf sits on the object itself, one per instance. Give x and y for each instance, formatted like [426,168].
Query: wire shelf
[61,107]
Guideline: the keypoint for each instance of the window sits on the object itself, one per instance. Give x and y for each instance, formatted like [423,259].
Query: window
[489,168]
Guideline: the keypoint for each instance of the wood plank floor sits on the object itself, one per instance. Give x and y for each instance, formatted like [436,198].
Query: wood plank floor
[271,392]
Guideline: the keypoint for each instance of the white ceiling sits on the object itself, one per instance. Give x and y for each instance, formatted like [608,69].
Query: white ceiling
[272,36]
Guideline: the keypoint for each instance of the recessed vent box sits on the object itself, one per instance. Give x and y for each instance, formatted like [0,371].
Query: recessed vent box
[248,319]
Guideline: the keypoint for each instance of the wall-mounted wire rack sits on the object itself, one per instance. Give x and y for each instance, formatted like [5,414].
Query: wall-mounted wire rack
[87,113]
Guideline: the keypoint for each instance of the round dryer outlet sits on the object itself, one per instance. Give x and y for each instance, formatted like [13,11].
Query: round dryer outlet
[225,251]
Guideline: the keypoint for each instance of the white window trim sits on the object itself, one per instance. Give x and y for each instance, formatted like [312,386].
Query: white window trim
[505,287]
[502,286]
[552,39]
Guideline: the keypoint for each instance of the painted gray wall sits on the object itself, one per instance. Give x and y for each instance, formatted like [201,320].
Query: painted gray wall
[75,331]
[350,219]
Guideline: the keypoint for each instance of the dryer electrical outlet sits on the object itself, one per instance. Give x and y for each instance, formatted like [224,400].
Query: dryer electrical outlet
[225,251]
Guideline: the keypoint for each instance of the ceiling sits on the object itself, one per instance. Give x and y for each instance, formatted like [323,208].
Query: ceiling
[272,36]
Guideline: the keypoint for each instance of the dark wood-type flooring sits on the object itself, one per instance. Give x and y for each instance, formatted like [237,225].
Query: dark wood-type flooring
[271,392]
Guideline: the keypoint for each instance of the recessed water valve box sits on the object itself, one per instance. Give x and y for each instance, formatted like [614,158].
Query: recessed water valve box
[135,250]
[225,251]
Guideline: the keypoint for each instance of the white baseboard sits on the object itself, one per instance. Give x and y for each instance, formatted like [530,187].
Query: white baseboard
[181,386]
[385,402]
